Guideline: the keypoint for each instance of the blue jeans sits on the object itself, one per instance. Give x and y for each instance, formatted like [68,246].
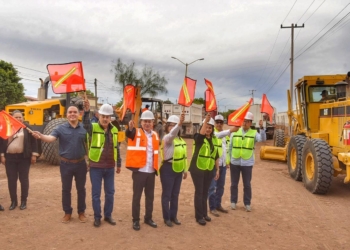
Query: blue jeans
[96,177]
[216,189]
[78,171]
[171,183]
[247,177]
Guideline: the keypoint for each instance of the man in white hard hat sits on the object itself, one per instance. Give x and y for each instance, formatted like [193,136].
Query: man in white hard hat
[241,150]
[216,189]
[104,157]
[142,160]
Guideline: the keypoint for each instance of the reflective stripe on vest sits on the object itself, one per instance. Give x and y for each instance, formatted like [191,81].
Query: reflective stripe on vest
[98,141]
[179,159]
[205,160]
[136,154]
[243,146]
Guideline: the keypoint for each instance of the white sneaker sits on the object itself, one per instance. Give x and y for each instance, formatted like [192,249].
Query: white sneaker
[248,208]
[233,206]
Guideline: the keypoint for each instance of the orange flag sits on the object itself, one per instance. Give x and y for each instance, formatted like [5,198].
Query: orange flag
[266,107]
[210,100]
[236,118]
[187,92]
[129,99]
[67,77]
[9,125]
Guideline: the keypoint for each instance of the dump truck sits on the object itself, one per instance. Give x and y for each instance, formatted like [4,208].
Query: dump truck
[193,117]
[316,145]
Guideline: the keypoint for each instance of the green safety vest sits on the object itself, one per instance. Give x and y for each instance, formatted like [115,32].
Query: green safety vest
[220,146]
[98,140]
[243,146]
[205,160]
[179,158]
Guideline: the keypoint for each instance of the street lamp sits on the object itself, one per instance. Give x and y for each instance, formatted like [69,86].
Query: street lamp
[186,64]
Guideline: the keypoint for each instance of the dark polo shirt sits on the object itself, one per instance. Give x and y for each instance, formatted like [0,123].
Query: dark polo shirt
[71,140]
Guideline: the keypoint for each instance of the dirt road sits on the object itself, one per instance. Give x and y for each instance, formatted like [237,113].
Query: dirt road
[284,216]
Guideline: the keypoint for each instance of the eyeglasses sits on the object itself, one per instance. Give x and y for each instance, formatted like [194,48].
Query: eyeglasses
[219,122]
[247,121]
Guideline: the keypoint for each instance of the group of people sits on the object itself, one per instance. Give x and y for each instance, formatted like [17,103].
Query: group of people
[93,147]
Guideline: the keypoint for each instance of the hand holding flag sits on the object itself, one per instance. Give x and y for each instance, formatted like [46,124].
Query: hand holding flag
[9,125]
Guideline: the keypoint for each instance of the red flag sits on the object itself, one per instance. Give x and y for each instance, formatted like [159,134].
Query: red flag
[236,118]
[9,125]
[266,107]
[67,77]
[210,100]
[187,92]
[129,99]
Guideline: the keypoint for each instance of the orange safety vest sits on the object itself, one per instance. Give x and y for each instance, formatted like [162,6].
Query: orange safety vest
[136,154]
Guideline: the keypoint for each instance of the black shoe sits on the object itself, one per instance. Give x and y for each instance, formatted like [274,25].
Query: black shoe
[136,225]
[176,221]
[168,223]
[222,210]
[110,220]
[97,222]
[23,205]
[2,208]
[207,218]
[151,223]
[13,205]
[201,222]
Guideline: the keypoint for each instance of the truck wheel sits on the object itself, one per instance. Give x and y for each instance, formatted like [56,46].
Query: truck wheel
[294,154]
[317,166]
[50,150]
[278,139]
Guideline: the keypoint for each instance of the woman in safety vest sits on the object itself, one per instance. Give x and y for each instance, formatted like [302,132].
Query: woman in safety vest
[204,166]
[174,165]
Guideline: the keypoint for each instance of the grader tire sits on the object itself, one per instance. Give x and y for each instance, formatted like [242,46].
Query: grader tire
[317,166]
[278,140]
[294,154]
[50,150]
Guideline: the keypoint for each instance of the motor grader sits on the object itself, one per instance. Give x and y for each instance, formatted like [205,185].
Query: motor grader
[317,145]
[44,115]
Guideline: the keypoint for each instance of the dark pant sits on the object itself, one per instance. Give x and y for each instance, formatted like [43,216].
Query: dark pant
[201,181]
[216,189]
[17,167]
[142,181]
[96,177]
[171,183]
[247,177]
[78,171]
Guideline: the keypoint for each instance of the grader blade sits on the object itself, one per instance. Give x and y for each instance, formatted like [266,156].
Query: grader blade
[273,153]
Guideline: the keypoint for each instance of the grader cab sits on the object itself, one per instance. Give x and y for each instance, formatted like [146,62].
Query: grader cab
[317,145]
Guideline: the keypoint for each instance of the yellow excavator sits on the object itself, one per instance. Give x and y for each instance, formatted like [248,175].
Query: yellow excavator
[316,145]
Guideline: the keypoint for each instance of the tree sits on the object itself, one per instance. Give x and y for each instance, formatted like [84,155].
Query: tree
[75,94]
[11,90]
[151,82]
[168,102]
[198,100]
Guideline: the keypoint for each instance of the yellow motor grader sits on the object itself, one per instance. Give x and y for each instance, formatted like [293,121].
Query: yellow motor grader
[317,145]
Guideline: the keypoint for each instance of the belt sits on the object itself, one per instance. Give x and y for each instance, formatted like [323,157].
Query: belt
[72,160]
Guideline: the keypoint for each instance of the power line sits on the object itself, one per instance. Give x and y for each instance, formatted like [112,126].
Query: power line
[315,11]
[289,11]
[30,69]
[305,11]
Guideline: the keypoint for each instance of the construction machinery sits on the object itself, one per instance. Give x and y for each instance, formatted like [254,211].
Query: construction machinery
[269,126]
[44,115]
[154,105]
[316,146]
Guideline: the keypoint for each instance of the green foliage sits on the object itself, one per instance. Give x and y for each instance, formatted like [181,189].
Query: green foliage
[11,90]
[75,94]
[198,100]
[168,102]
[151,82]
[227,113]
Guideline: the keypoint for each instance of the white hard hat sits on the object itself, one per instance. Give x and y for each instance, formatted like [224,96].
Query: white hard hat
[249,116]
[147,115]
[174,119]
[211,121]
[219,118]
[106,109]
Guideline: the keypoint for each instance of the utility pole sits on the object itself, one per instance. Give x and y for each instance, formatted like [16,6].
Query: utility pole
[252,90]
[95,83]
[292,27]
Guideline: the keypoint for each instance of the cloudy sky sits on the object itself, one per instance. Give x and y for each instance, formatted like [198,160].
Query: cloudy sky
[242,42]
